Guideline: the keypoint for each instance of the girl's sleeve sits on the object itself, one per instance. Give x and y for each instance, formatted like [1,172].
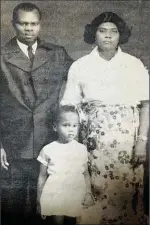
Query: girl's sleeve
[85,154]
[43,157]
[73,91]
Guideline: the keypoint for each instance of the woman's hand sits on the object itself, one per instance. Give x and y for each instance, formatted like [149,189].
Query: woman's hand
[88,200]
[139,156]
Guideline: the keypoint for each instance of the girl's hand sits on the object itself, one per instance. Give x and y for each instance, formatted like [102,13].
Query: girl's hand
[88,200]
[38,208]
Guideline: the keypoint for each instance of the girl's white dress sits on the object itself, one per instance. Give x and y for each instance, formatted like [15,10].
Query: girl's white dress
[65,187]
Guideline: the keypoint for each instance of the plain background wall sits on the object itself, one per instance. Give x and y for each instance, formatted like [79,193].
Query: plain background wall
[63,23]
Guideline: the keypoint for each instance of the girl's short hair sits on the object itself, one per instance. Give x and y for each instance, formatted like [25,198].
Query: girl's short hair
[64,109]
[90,29]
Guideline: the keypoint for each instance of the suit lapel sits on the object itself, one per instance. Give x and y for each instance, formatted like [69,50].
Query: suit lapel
[15,56]
[41,57]
[43,54]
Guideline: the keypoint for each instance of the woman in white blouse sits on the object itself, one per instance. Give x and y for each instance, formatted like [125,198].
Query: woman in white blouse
[112,88]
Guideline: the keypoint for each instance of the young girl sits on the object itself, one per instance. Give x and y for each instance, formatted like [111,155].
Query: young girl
[64,186]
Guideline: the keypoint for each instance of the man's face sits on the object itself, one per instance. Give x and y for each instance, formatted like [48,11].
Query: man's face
[27,26]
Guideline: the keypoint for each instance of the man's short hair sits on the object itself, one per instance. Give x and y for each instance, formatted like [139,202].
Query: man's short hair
[27,7]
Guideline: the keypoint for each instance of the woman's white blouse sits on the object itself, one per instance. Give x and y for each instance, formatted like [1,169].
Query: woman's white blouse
[122,80]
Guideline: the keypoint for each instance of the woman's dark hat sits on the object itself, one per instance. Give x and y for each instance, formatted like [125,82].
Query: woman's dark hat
[90,29]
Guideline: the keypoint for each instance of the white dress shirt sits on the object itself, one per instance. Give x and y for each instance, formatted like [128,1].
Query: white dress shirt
[24,47]
[122,80]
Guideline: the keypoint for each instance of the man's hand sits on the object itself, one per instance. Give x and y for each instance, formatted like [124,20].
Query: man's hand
[4,162]
[139,153]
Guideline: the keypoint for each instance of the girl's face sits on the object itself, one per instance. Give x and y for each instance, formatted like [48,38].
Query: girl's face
[67,127]
[107,36]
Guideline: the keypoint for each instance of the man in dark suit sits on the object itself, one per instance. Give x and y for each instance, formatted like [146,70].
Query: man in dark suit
[30,82]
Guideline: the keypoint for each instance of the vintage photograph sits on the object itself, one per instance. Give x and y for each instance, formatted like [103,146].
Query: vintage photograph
[74,112]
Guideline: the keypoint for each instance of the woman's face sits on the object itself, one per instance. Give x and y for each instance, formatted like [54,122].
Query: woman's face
[107,36]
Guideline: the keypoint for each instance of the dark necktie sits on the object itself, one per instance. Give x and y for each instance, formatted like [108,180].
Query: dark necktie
[31,57]
[30,53]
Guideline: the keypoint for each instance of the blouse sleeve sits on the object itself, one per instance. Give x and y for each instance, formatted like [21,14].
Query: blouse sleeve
[43,157]
[142,82]
[73,91]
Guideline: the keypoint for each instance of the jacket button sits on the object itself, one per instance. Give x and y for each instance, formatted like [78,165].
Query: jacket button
[45,79]
[26,99]
[26,82]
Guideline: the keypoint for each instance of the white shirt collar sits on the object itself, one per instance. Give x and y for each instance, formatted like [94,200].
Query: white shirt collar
[24,47]
[96,55]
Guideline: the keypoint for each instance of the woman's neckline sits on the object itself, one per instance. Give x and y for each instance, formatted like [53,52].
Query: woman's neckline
[96,56]
[107,56]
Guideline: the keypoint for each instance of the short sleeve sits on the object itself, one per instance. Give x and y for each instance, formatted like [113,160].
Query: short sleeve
[73,92]
[142,82]
[43,157]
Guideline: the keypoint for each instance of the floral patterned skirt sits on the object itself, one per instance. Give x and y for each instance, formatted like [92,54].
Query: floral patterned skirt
[117,187]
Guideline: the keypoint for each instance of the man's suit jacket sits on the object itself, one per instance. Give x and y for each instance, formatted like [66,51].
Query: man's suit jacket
[29,96]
